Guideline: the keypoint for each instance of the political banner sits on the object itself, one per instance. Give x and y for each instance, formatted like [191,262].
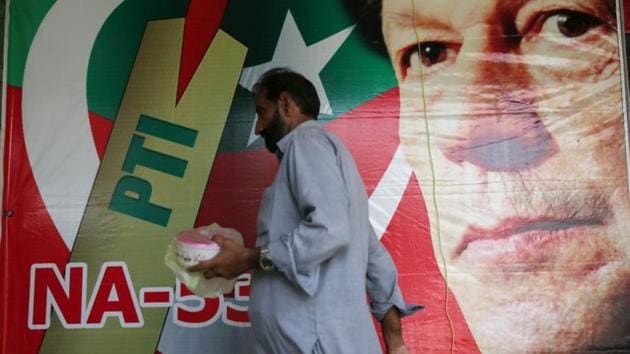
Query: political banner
[491,137]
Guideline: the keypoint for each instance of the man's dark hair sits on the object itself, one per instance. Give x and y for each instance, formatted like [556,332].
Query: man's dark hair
[367,15]
[301,90]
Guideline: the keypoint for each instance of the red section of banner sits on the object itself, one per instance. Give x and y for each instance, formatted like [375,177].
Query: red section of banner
[28,235]
[233,194]
[157,297]
[101,128]
[202,23]
[409,242]
[370,132]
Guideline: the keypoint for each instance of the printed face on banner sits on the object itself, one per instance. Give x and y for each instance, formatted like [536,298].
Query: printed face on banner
[512,111]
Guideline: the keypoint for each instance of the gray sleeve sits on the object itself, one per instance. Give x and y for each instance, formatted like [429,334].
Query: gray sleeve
[318,190]
[382,282]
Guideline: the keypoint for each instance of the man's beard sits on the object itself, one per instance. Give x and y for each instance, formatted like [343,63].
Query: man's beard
[273,133]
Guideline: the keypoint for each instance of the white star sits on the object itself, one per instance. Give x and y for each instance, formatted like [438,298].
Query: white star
[292,52]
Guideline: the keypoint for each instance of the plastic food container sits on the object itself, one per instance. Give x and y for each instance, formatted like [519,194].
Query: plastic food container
[194,246]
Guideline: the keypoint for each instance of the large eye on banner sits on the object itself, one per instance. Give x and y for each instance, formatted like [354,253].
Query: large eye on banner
[491,136]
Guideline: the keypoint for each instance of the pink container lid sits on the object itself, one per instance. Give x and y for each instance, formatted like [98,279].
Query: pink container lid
[195,239]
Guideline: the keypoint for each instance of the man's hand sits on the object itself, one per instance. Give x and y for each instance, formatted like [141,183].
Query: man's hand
[392,332]
[232,261]
[402,349]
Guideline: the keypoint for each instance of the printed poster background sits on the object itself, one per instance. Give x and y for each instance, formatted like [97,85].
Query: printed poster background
[127,121]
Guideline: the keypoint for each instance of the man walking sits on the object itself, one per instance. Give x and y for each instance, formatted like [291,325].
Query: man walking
[317,252]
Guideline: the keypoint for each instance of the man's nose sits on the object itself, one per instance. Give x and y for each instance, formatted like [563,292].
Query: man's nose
[258,127]
[498,127]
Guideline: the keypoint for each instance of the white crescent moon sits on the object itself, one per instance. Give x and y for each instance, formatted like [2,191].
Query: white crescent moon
[57,129]
[388,193]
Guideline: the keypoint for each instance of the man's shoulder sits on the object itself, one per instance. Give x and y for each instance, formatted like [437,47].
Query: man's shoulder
[315,133]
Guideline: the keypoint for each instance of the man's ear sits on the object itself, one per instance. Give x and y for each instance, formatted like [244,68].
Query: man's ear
[286,103]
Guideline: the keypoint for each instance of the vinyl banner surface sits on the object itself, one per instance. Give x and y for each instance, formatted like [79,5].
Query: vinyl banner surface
[491,136]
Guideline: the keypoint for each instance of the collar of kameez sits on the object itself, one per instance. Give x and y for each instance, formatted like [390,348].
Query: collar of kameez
[286,140]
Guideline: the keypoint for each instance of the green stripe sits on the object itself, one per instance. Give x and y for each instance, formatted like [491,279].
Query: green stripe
[25,16]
